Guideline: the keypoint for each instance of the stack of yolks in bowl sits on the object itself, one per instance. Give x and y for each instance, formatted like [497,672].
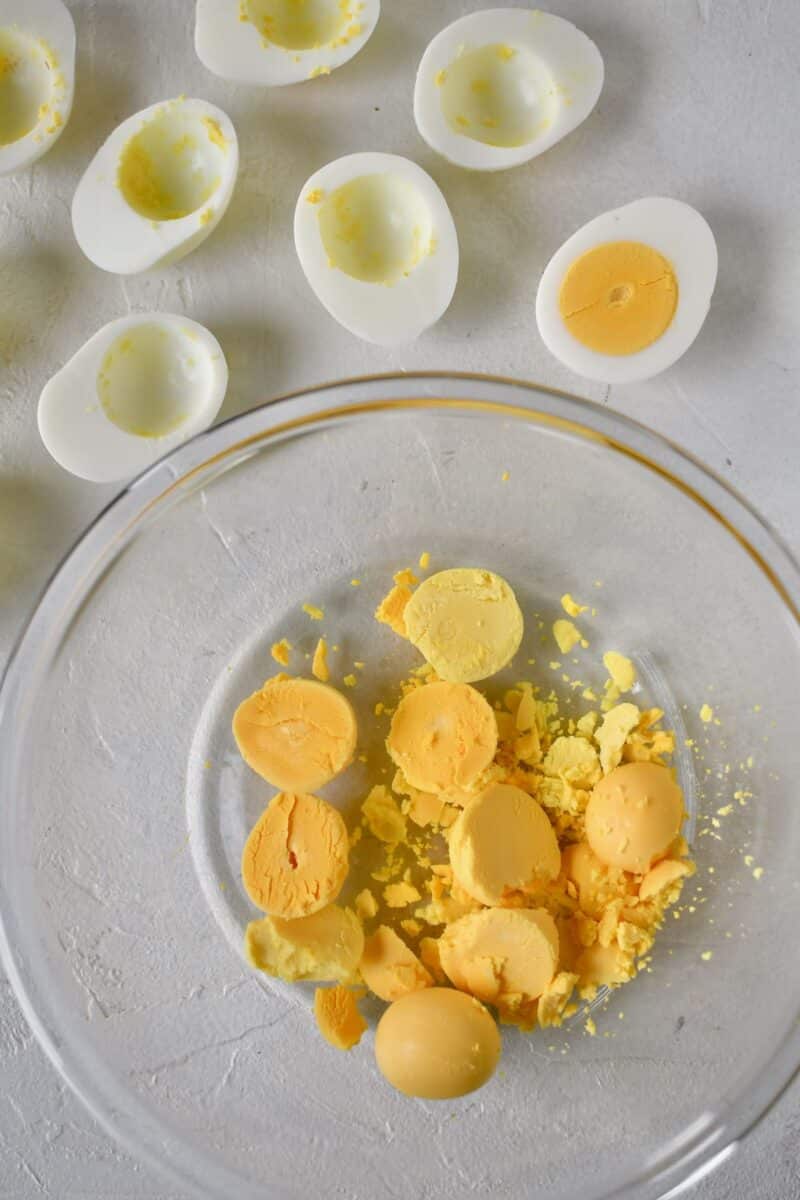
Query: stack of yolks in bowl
[522,858]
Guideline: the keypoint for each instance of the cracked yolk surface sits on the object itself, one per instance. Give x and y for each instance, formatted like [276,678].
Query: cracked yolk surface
[296,857]
[466,622]
[619,298]
[442,736]
[296,733]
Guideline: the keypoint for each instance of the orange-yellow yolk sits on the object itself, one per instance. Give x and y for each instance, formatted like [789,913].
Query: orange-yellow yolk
[619,298]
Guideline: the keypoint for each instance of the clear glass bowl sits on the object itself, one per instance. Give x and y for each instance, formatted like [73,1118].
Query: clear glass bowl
[122,916]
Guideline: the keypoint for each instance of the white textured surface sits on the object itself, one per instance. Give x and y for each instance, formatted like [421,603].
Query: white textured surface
[700,103]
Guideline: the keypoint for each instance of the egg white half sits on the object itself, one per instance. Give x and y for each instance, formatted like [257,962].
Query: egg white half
[230,41]
[550,75]
[124,239]
[150,370]
[415,293]
[37,79]
[683,237]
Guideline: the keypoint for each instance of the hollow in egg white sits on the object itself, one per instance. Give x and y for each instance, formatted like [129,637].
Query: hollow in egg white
[157,187]
[138,388]
[378,246]
[625,296]
[37,79]
[277,42]
[498,87]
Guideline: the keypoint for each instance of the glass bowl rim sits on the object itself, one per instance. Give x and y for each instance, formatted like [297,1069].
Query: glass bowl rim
[706,1143]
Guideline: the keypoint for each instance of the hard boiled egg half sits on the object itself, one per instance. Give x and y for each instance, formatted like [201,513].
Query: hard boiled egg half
[138,388]
[275,42]
[628,293]
[157,187]
[498,87]
[378,245]
[37,78]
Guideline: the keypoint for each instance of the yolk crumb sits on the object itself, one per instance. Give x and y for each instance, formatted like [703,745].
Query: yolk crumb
[280,652]
[319,663]
[338,1017]
[311,610]
[619,298]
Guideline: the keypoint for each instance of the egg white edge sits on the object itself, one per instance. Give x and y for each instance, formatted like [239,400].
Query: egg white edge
[51,21]
[386,315]
[690,248]
[545,36]
[232,49]
[106,453]
[119,240]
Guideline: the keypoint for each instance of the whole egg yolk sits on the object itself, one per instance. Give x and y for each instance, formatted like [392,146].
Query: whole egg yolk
[618,298]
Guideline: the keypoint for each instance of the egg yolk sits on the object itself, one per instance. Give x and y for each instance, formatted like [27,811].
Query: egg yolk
[295,860]
[619,298]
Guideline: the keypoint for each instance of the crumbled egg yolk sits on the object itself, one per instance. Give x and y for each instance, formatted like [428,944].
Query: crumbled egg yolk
[583,908]
[619,298]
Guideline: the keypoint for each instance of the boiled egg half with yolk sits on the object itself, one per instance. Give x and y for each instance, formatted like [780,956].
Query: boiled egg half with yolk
[378,245]
[498,87]
[37,78]
[138,388]
[628,293]
[275,42]
[157,187]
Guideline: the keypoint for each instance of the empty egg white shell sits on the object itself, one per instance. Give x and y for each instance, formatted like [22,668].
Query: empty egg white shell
[679,233]
[277,42]
[134,391]
[37,78]
[378,246]
[498,87]
[157,187]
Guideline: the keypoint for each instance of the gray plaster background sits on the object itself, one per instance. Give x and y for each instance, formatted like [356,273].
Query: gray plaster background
[701,102]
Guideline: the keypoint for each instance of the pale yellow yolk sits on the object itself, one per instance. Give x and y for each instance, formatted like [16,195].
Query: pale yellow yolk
[504,956]
[501,842]
[296,857]
[389,968]
[466,622]
[634,815]
[338,1018]
[619,297]
[326,945]
[296,733]
[443,735]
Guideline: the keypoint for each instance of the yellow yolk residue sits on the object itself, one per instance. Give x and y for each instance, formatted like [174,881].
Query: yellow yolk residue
[326,945]
[338,1018]
[296,857]
[635,813]
[504,956]
[501,842]
[619,298]
[296,733]
[389,968]
[443,736]
[466,622]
